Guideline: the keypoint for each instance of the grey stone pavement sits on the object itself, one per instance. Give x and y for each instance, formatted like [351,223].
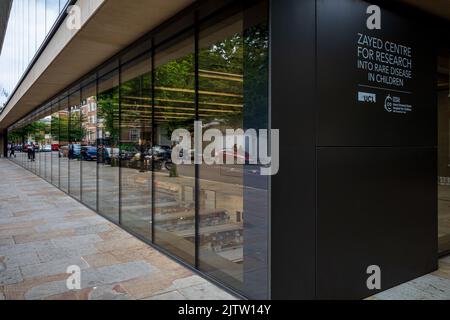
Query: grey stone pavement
[434,286]
[43,232]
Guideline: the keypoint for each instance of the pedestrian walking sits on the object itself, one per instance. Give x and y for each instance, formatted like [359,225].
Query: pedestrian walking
[33,152]
[12,151]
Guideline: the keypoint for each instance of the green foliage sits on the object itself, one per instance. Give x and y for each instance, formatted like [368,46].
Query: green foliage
[108,113]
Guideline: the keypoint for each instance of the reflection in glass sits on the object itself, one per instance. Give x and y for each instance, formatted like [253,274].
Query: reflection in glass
[108,145]
[40,22]
[135,146]
[32,16]
[74,152]
[174,204]
[88,153]
[47,149]
[40,142]
[55,144]
[51,13]
[233,197]
[32,137]
[64,145]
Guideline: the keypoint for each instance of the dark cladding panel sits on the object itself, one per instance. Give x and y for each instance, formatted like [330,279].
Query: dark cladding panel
[292,112]
[376,139]
[376,206]
[352,60]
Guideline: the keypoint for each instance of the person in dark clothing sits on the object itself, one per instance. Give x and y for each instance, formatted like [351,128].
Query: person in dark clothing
[33,152]
[12,151]
[71,151]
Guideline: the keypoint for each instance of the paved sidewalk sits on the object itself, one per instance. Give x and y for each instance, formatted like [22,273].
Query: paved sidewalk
[433,286]
[43,231]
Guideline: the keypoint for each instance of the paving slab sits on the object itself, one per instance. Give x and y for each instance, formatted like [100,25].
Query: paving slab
[43,232]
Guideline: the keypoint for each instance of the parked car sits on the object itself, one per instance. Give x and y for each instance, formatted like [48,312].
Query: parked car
[46,148]
[74,151]
[55,147]
[88,153]
[164,152]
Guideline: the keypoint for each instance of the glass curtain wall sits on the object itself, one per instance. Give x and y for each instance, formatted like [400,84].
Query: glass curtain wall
[88,152]
[174,98]
[31,144]
[109,145]
[74,152]
[55,153]
[39,141]
[32,137]
[29,23]
[30,141]
[64,145]
[47,149]
[233,86]
[135,145]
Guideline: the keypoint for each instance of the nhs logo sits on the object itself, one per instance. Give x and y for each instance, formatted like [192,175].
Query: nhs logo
[367,97]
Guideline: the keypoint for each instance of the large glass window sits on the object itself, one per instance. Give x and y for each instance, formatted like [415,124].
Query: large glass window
[64,145]
[135,146]
[108,145]
[88,153]
[33,137]
[39,137]
[47,148]
[233,78]
[40,158]
[174,108]
[27,131]
[40,22]
[15,142]
[55,143]
[74,152]
[51,13]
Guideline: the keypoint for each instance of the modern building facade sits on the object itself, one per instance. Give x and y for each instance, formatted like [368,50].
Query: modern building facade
[359,92]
